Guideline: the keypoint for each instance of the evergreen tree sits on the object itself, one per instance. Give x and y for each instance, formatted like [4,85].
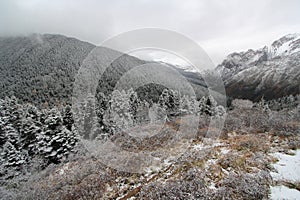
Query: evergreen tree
[207,106]
[26,133]
[2,131]
[170,101]
[30,128]
[134,103]
[188,105]
[185,105]
[11,155]
[202,105]
[118,115]
[211,105]
[68,120]
[193,105]
[101,108]
[13,112]
[55,141]
[28,136]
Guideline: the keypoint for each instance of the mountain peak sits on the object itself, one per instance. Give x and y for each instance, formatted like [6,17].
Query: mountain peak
[285,45]
[271,71]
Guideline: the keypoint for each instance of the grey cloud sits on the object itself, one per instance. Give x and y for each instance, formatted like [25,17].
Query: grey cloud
[219,26]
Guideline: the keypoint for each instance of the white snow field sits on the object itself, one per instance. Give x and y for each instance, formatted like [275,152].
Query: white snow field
[288,168]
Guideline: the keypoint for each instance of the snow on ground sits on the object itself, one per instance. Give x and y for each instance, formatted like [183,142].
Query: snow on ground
[282,192]
[288,170]
[288,167]
[199,147]
[224,150]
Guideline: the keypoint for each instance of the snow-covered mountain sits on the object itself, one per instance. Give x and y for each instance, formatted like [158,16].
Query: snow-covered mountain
[272,71]
[285,46]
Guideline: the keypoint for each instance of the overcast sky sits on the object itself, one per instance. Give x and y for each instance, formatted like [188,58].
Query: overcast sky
[220,27]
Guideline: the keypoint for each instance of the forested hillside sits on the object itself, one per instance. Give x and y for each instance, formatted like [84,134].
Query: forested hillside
[40,69]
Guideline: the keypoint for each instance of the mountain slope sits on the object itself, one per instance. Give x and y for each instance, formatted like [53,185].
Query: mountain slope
[41,69]
[269,72]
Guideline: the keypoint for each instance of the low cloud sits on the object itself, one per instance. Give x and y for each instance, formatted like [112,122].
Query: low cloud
[220,27]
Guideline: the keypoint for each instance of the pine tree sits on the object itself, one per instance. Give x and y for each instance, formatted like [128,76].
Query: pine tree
[28,136]
[101,108]
[202,105]
[163,101]
[207,106]
[11,155]
[185,105]
[170,101]
[175,105]
[12,135]
[13,112]
[68,120]
[194,105]
[30,128]
[2,131]
[133,104]
[188,105]
[118,115]
[27,133]
[55,141]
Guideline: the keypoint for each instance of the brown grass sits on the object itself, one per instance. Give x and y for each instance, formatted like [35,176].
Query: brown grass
[250,142]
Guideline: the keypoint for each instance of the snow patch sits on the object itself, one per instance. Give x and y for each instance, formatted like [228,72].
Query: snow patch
[288,170]
[225,150]
[198,147]
[284,47]
[282,192]
[287,167]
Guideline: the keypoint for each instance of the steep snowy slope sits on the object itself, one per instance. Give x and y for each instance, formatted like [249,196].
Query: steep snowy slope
[285,46]
[271,72]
